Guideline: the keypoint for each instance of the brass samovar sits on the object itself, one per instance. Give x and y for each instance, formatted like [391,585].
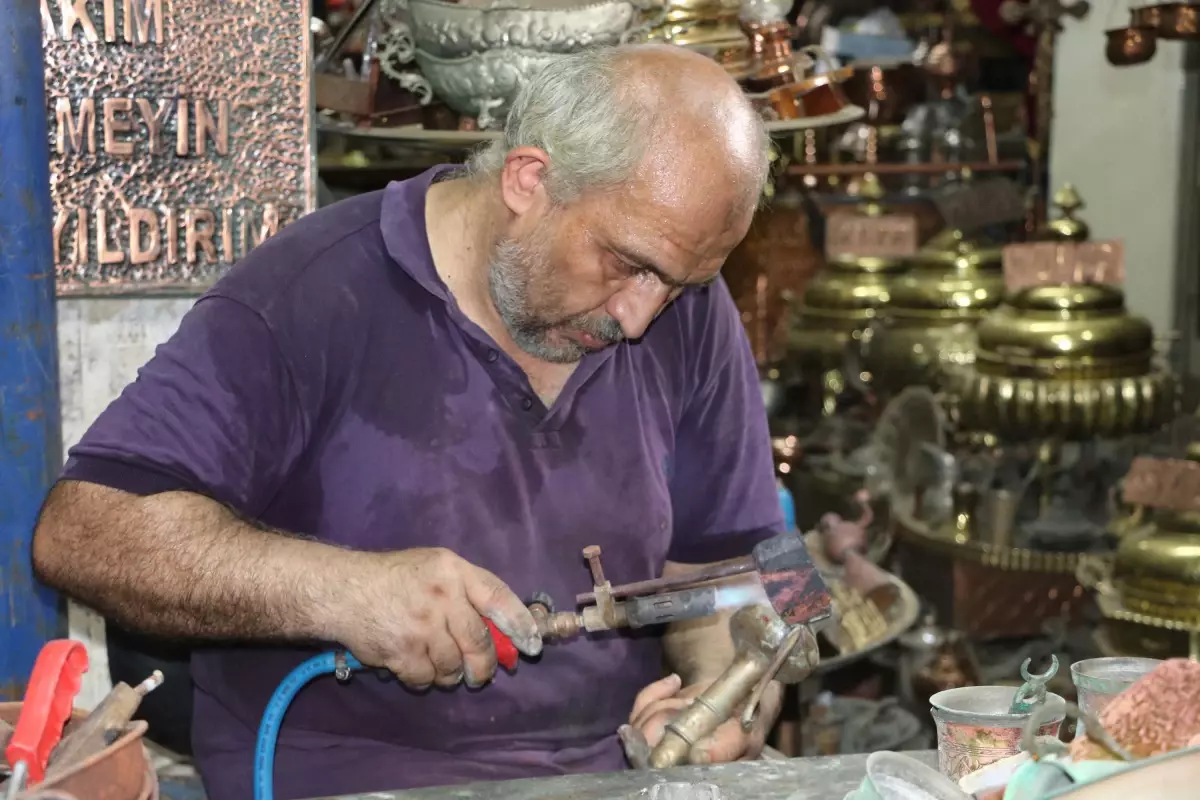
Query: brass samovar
[1065,361]
[1064,386]
[933,310]
[1148,591]
[839,306]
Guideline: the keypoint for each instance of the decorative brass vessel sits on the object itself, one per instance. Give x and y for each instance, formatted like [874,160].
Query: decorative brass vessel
[709,27]
[933,311]
[1157,567]
[1066,362]
[843,299]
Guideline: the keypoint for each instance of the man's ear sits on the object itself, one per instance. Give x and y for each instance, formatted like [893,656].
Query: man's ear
[521,184]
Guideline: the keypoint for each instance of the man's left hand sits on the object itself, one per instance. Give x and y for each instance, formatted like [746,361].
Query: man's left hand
[661,701]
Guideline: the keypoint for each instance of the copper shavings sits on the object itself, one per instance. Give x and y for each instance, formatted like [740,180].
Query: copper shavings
[1158,714]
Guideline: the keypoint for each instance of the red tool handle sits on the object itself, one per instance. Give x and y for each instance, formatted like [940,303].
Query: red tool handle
[56,679]
[506,651]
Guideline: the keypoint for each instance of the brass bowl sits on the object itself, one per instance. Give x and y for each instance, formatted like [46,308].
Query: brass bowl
[1129,46]
[1168,21]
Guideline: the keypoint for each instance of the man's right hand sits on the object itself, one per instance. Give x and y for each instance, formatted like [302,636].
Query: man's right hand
[419,613]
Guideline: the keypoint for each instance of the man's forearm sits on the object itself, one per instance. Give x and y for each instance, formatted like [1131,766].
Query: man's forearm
[179,564]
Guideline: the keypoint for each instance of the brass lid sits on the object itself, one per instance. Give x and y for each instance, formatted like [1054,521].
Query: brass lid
[1066,228]
[1066,331]
[842,289]
[953,276]
[965,293]
[953,248]
[1172,556]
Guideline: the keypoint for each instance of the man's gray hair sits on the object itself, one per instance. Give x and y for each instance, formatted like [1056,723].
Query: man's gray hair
[592,124]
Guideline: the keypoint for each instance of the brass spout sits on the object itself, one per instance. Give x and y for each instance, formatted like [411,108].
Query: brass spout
[709,710]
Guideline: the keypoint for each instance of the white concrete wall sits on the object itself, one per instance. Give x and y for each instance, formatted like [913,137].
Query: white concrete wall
[1120,135]
[102,343]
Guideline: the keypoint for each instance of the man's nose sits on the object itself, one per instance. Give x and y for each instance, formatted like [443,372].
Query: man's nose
[636,305]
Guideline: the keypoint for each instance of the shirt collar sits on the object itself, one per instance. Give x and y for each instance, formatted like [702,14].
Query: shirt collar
[402,221]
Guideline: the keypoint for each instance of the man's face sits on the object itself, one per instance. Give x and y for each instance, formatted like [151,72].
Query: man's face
[575,278]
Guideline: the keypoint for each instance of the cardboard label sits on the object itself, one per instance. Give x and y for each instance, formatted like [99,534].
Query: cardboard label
[887,236]
[1168,483]
[979,204]
[1041,263]
[180,136]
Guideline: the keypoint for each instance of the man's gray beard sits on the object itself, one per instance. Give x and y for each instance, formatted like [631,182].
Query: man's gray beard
[510,275]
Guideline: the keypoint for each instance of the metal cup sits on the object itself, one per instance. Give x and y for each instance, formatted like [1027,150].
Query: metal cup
[1099,680]
[974,728]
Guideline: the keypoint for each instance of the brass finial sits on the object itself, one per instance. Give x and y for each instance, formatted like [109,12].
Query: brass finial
[1066,228]
[871,191]
[870,188]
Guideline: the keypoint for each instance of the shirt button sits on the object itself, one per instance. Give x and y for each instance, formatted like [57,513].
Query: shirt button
[492,356]
[527,404]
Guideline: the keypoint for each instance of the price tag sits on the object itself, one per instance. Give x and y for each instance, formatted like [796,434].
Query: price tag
[1041,263]
[1168,483]
[971,206]
[887,236]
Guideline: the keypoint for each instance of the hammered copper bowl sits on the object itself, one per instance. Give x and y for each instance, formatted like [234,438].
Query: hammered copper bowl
[1129,46]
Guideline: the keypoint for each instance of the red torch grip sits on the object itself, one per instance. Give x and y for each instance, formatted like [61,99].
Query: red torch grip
[506,651]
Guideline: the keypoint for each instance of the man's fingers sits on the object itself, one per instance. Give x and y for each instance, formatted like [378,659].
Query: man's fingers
[661,689]
[653,722]
[446,659]
[727,743]
[414,672]
[475,643]
[492,598]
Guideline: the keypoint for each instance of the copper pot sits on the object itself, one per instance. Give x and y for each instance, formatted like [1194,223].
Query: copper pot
[1129,46]
[1169,20]
[886,91]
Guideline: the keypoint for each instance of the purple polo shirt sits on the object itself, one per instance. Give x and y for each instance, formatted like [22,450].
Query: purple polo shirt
[330,386]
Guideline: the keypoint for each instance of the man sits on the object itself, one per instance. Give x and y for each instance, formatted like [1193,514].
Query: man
[413,409]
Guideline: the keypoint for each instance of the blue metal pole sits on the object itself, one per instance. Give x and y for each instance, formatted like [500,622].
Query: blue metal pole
[30,432]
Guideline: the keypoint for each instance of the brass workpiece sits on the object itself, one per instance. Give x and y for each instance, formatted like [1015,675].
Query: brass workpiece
[767,649]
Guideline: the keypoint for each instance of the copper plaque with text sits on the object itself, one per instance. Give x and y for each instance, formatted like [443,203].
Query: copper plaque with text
[885,236]
[1168,483]
[1040,263]
[180,137]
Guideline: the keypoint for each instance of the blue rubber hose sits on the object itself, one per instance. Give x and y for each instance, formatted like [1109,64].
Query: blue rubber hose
[272,718]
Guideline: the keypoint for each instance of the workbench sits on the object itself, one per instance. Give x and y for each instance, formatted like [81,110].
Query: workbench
[827,778]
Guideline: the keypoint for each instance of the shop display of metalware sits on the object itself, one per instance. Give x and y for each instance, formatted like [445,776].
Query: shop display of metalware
[1064,361]
[451,30]
[930,320]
